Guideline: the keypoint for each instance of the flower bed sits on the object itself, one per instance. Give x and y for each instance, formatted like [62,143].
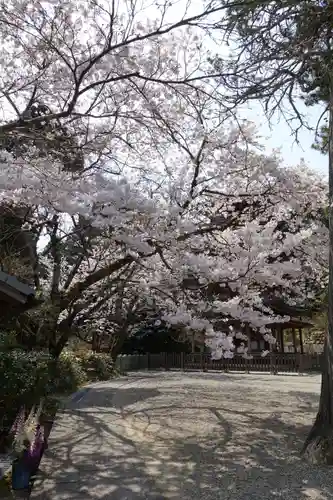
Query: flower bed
[33,383]
[27,440]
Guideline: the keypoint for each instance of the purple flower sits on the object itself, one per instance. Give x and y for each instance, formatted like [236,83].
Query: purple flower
[18,422]
[37,442]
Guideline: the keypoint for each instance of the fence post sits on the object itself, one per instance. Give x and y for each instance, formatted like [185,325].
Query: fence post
[118,363]
[273,363]
[121,363]
[182,361]
[166,361]
[300,365]
[148,361]
[202,362]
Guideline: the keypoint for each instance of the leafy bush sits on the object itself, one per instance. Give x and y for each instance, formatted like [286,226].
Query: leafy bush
[8,340]
[27,376]
[66,374]
[98,366]
[24,380]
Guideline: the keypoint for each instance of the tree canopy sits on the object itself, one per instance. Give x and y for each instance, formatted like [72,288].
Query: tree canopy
[171,187]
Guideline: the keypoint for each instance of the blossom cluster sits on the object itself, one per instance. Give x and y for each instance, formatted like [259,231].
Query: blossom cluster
[175,203]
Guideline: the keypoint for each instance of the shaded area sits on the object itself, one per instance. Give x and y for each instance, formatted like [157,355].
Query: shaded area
[105,397]
[187,436]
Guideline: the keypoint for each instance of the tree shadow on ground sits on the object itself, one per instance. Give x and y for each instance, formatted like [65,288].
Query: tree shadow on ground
[105,397]
[242,455]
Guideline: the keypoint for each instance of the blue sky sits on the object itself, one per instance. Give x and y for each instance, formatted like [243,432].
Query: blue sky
[278,135]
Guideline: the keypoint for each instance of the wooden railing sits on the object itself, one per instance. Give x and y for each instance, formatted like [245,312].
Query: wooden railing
[272,363]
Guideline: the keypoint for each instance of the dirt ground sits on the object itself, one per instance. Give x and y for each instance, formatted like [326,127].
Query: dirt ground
[187,436]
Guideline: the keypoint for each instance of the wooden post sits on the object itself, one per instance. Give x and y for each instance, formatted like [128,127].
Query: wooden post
[300,364]
[272,353]
[273,362]
[282,338]
[247,361]
[275,335]
[182,361]
[301,340]
[193,343]
[294,339]
[166,361]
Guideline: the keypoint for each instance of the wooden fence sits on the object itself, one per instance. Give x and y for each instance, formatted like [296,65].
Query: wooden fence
[272,363]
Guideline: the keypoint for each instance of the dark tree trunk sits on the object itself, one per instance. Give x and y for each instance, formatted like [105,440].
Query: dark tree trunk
[115,351]
[96,343]
[60,338]
[56,349]
[118,345]
[318,448]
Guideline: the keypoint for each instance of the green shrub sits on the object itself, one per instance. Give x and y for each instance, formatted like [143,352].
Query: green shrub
[98,366]
[27,376]
[24,380]
[67,374]
[8,340]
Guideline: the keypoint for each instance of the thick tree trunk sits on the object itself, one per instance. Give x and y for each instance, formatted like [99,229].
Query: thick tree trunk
[318,448]
[60,337]
[118,345]
[55,350]
[96,342]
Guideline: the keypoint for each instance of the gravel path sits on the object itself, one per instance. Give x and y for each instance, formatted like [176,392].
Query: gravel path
[187,437]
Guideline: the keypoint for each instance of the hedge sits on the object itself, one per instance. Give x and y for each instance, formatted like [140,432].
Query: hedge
[24,379]
[28,376]
[97,366]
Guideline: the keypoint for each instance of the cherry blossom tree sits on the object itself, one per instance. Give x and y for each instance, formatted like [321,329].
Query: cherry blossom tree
[224,230]
[258,236]
[74,85]
[116,138]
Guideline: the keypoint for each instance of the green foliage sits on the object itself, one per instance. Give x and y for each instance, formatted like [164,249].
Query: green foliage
[24,380]
[98,366]
[8,340]
[321,143]
[27,376]
[66,374]
[316,335]
[281,51]
[156,339]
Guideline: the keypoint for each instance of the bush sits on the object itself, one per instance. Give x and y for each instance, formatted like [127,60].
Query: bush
[98,366]
[24,380]
[67,374]
[27,376]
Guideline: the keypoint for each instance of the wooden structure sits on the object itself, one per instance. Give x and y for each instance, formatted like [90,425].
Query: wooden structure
[294,327]
[274,362]
[13,291]
[15,296]
[299,318]
[256,341]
